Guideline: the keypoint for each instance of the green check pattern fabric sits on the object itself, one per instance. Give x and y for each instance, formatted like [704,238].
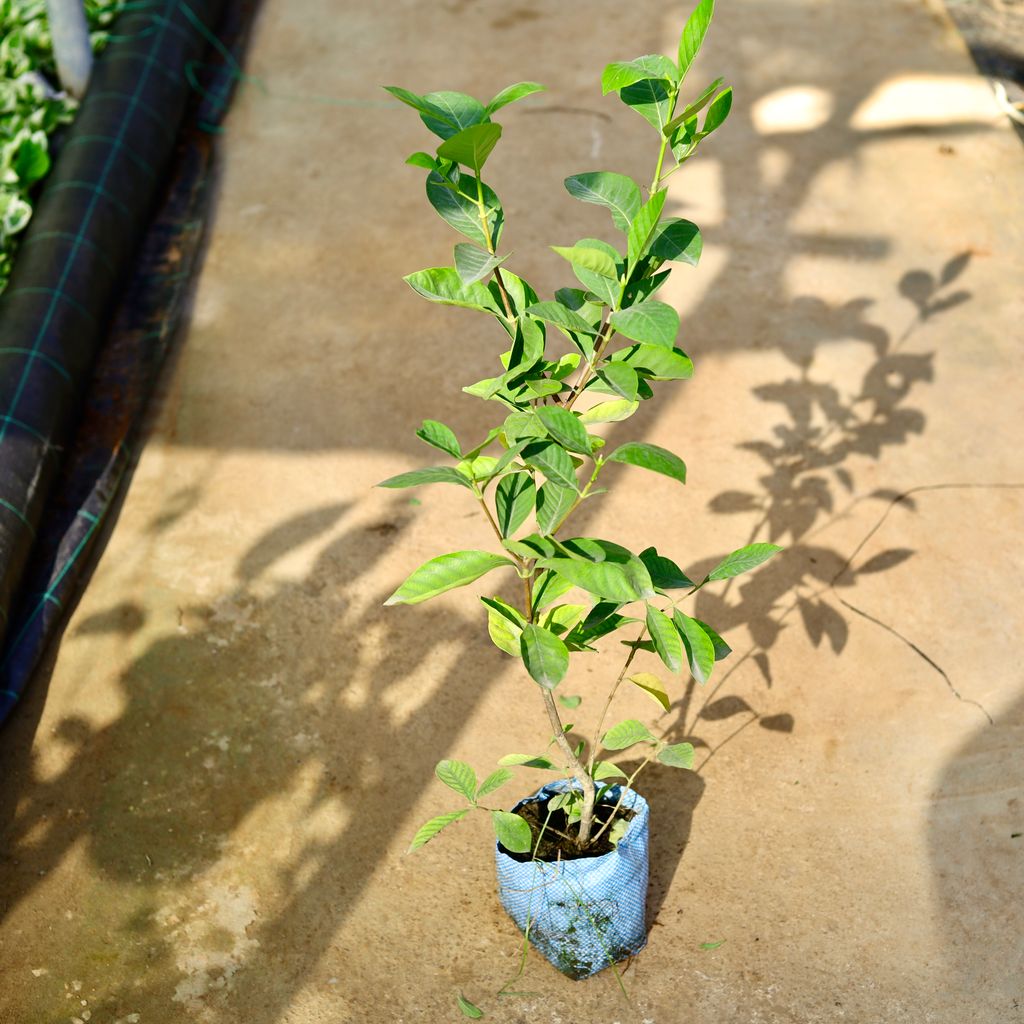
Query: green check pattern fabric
[77,254]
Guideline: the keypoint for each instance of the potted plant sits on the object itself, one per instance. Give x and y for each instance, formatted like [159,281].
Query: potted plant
[571,858]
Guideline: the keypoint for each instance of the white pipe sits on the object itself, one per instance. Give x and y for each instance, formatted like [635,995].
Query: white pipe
[71,46]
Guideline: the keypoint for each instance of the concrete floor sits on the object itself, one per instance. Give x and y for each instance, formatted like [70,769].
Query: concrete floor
[205,804]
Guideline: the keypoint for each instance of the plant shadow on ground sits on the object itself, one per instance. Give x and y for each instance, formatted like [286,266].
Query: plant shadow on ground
[806,487]
[219,720]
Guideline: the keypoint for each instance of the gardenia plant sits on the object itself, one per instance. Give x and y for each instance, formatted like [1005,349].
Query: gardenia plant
[545,457]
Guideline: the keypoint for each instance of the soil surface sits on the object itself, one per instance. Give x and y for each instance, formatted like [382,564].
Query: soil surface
[552,836]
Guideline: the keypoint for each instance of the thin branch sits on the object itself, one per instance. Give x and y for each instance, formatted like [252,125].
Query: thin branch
[595,745]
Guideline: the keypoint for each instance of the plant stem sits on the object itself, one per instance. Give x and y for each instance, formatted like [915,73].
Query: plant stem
[595,745]
[604,335]
[656,180]
[598,464]
[528,596]
[487,512]
[579,771]
[504,294]
[490,245]
[618,803]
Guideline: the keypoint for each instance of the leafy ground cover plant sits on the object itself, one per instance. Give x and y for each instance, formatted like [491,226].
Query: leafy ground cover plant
[545,458]
[31,108]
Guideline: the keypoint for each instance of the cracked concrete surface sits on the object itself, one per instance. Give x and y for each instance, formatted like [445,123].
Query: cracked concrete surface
[207,799]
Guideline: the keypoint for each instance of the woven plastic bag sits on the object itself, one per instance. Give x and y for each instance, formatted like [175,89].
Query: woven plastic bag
[585,914]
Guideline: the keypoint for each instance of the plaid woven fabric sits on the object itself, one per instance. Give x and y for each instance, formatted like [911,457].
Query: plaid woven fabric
[583,915]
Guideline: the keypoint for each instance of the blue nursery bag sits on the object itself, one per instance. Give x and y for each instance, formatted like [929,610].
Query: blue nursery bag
[588,913]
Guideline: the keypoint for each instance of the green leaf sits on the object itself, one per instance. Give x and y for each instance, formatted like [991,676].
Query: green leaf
[520,425]
[656,362]
[678,755]
[432,827]
[712,945]
[722,649]
[607,770]
[618,75]
[527,350]
[473,264]
[743,560]
[494,781]
[651,99]
[665,574]
[619,193]
[553,461]
[601,291]
[553,504]
[15,216]
[533,546]
[541,387]
[487,388]
[609,412]
[451,112]
[651,322]
[625,734]
[650,456]
[652,685]
[557,314]
[588,632]
[666,639]
[609,580]
[678,240]
[565,427]
[459,776]
[570,702]
[620,379]
[512,831]
[446,572]
[563,617]
[529,761]
[513,500]
[596,550]
[472,146]
[440,436]
[641,229]
[693,34]
[503,630]
[457,205]
[423,106]
[700,651]
[443,284]
[694,108]
[550,588]
[545,655]
[31,161]
[576,299]
[717,112]
[468,1009]
[589,259]
[424,160]
[431,475]
[479,469]
[641,290]
[512,93]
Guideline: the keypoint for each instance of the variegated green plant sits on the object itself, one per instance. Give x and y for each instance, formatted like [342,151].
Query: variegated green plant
[545,458]
[32,108]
